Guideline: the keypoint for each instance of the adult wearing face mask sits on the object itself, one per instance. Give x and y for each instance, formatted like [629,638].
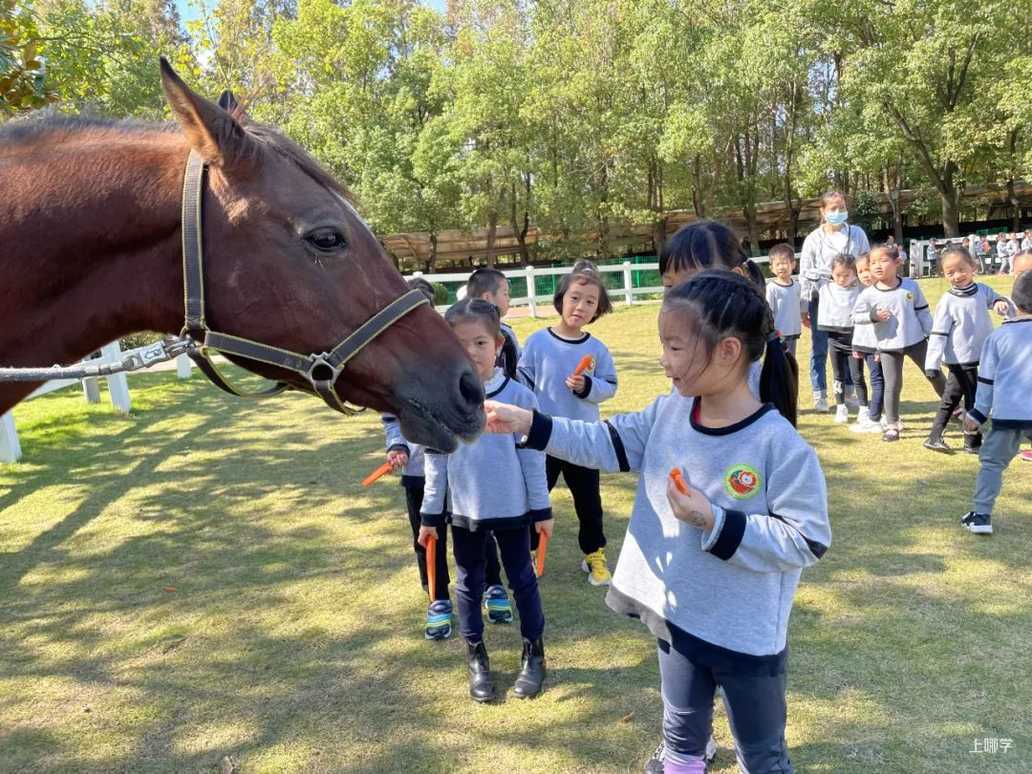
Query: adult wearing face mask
[834,236]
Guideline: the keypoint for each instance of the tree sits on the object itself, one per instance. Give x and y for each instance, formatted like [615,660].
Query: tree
[22,82]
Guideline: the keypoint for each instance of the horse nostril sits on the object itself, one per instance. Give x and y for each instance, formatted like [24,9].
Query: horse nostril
[470,388]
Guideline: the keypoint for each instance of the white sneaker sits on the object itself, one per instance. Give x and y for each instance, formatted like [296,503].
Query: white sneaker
[863,414]
[820,401]
[865,425]
[841,414]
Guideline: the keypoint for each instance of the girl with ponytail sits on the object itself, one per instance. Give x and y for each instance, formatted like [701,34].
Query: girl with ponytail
[710,563]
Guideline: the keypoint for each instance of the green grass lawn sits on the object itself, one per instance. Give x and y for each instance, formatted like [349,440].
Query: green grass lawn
[207,578]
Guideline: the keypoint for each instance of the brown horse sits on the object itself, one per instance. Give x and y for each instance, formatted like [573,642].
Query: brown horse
[90,231]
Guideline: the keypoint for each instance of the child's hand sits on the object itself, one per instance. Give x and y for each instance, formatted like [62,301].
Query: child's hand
[877,357]
[858,356]
[397,459]
[692,508]
[882,315]
[971,425]
[576,383]
[425,534]
[1001,308]
[503,418]
[545,527]
[806,319]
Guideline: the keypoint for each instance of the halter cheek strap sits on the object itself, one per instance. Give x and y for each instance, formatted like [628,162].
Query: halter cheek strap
[321,369]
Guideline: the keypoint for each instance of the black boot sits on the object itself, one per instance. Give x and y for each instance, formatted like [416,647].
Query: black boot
[480,686]
[532,670]
[972,442]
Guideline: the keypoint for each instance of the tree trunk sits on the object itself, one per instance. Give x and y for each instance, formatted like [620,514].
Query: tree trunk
[428,266]
[698,200]
[492,230]
[1015,206]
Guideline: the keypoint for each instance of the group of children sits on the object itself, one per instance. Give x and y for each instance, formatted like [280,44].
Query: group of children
[712,556]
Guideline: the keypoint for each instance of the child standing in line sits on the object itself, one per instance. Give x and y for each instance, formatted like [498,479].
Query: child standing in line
[711,571]
[959,330]
[406,458]
[783,295]
[492,485]
[836,300]
[1004,384]
[492,286]
[547,366]
[865,351]
[902,322]
[709,244]
[1023,263]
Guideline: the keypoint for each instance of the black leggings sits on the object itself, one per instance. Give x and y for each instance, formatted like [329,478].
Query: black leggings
[587,502]
[892,368]
[845,368]
[960,385]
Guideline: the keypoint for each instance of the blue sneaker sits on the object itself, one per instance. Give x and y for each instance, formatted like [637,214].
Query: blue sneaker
[438,620]
[499,608]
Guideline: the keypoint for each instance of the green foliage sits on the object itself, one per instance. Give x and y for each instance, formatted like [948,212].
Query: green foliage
[22,82]
[577,118]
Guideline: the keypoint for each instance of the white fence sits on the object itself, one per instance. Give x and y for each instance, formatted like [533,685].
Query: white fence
[627,291]
[118,389]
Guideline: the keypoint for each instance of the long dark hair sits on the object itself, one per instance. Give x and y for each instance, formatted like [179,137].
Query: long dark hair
[720,303]
[707,244]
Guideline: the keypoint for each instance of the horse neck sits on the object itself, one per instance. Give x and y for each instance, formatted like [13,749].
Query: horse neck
[91,246]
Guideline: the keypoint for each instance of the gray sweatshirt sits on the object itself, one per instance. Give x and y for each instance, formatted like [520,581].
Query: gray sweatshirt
[492,483]
[835,307]
[731,586]
[961,325]
[548,359]
[864,337]
[395,440]
[1005,376]
[787,306]
[911,321]
[819,248]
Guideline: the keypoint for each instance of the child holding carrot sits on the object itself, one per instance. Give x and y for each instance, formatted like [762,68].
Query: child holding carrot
[492,485]
[548,366]
[711,573]
[406,458]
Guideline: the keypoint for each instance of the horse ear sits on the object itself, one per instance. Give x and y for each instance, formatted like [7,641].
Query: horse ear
[213,133]
[228,102]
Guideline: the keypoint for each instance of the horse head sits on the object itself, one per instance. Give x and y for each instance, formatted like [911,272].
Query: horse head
[290,263]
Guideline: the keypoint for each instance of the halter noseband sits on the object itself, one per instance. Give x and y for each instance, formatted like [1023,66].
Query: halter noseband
[321,369]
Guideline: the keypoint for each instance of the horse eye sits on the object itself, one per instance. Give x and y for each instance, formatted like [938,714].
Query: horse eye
[326,240]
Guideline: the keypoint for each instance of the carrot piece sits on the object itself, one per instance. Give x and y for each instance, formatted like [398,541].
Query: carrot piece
[542,550]
[678,478]
[583,365]
[431,565]
[383,470]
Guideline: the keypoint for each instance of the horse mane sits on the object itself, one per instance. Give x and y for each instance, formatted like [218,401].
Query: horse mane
[42,122]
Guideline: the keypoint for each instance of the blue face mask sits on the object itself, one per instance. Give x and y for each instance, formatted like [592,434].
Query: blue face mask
[837,218]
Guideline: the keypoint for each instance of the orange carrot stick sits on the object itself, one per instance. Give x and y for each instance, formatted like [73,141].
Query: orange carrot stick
[383,470]
[431,565]
[583,365]
[542,550]
[678,478]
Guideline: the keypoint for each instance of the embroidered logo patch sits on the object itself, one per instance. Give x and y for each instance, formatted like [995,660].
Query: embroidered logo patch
[741,481]
[910,296]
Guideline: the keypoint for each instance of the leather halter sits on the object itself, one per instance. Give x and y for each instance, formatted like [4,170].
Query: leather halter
[321,369]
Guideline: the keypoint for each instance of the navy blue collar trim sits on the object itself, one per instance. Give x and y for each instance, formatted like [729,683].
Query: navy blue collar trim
[581,340]
[739,425]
